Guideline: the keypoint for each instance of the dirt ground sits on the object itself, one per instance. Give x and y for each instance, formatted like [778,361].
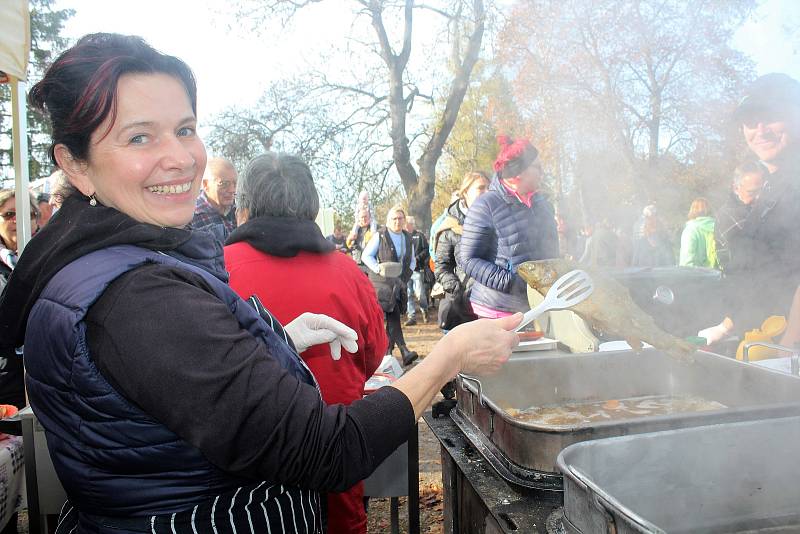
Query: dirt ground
[420,338]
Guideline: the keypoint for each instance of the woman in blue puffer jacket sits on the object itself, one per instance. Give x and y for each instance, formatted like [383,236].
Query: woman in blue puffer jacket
[510,224]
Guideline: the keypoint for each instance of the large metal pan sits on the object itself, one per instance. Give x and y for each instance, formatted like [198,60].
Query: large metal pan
[525,453]
[735,477]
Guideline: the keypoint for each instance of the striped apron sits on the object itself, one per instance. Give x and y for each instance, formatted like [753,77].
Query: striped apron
[256,509]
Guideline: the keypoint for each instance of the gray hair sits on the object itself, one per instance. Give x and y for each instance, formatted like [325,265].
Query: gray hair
[277,185]
[748,167]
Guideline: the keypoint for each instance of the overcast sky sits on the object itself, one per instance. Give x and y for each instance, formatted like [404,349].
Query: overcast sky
[234,65]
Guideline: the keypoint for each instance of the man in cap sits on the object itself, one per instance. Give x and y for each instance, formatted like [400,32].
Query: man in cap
[762,282]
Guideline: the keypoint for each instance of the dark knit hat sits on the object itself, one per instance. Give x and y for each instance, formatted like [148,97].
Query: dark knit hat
[515,156]
[770,93]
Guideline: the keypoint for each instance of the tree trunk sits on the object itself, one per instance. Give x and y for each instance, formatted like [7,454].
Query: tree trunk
[421,196]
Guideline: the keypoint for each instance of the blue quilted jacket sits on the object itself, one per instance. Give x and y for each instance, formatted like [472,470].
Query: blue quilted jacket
[113,458]
[500,232]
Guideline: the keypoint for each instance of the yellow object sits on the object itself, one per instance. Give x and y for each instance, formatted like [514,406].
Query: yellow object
[772,327]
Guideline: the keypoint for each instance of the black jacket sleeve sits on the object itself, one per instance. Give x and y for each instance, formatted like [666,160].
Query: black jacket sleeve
[163,339]
[445,262]
[421,252]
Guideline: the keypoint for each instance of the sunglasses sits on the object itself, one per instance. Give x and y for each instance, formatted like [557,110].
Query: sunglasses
[8,215]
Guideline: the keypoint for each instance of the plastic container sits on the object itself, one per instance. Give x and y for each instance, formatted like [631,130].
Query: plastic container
[772,327]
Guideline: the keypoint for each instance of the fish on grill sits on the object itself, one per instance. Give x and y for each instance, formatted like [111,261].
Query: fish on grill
[609,309]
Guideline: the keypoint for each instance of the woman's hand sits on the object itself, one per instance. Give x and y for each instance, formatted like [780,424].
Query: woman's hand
[483,346]
[479,347]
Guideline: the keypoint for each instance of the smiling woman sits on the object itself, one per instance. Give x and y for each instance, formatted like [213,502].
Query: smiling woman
[129,327]
[147,160]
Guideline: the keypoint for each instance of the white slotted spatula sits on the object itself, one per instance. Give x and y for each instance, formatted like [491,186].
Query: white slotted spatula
[568,291]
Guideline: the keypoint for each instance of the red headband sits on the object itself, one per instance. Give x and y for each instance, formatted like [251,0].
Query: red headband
[512,150]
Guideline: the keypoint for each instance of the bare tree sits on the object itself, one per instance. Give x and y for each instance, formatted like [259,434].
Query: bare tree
[290,117]
[380,102]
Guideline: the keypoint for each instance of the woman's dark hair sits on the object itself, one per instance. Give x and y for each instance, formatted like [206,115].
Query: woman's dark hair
[79,90]
[277,185]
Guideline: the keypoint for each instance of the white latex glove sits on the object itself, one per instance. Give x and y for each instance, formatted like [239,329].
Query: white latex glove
[714,333]
[310,329]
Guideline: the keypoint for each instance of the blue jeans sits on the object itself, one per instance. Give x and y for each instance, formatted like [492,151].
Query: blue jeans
[416,292]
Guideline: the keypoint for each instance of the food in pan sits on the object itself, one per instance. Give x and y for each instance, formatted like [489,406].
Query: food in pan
[610,308]
[583,413]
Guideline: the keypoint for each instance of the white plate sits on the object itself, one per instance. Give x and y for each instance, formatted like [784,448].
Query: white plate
[543,343]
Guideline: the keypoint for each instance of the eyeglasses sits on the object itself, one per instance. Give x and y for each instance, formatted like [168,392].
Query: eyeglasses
[8,215]
[226,185]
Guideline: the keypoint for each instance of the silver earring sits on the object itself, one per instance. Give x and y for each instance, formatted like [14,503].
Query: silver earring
[92,200]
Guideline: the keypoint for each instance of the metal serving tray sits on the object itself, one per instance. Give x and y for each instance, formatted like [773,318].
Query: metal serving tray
[733,477]
[525,453]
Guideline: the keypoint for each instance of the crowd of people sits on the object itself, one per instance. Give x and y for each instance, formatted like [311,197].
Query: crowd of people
[190,337]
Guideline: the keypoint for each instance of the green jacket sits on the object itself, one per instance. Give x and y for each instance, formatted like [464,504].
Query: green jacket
[698,248]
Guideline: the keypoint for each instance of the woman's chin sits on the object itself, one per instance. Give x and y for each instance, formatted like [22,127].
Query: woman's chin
[173,218]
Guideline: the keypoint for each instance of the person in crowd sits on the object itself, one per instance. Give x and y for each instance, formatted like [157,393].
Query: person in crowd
[277,252]
[766,268]
[601,245]
[652,249]
[455,308]
[624,247]
[338,239]
[58,183]
[390,259]
[638,227]
[748,182]
[8,232]
[12,383]
[168,403]
[437,223]
[44,208]
[215,208]
[417,287]
[513,222]
[698,247]
[359,236]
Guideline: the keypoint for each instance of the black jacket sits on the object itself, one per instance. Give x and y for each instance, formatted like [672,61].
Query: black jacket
[392,291]
[455,309]
[761,259]
[420,247]
[218,369]
[447,244]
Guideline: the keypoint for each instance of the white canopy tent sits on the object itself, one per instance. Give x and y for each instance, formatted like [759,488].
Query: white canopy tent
[15,45]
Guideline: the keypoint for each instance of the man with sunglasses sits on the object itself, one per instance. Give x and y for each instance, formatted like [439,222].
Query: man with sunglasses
[214,208]
[763,279]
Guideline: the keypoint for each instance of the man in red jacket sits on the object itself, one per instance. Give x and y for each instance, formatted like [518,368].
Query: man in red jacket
[278,253]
